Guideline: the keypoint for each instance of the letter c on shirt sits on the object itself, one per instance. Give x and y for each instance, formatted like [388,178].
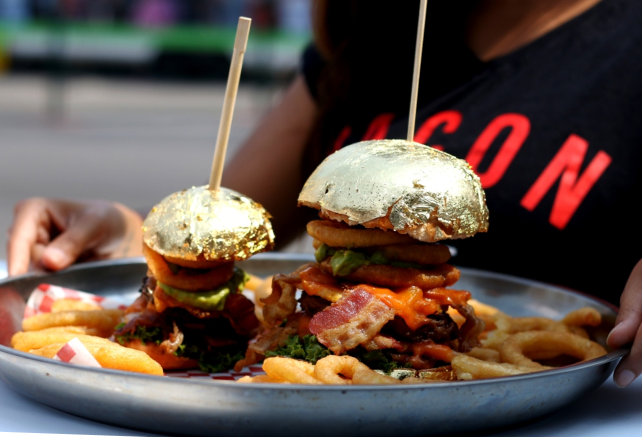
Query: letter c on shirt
[520,127]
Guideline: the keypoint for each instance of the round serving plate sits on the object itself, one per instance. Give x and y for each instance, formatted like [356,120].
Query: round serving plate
[222,408]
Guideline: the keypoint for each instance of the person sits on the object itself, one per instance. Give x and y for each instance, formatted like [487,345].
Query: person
[539,96]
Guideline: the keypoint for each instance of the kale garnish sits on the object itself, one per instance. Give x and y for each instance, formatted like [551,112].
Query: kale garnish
[210,362]
[307,348]
[142,333]
[378,360]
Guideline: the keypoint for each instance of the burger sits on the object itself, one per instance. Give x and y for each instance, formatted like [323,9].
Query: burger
[379,289]
[191,312]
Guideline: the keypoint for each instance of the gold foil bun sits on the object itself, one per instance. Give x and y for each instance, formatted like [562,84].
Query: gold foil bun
[221,226]
[399,185]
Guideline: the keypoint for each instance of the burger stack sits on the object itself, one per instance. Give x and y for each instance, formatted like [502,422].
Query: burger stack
[191,312]
[379,287]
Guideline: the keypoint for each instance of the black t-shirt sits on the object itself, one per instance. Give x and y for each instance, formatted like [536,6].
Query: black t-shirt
[554,130]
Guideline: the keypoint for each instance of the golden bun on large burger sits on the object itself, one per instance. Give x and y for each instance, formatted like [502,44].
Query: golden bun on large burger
[401,186]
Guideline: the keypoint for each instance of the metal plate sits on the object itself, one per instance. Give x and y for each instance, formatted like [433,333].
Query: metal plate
[176,406]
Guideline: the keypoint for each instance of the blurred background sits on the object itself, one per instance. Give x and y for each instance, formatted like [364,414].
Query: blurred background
[121,99]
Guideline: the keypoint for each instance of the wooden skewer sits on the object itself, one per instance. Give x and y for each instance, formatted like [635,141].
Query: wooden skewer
[240,43]
[415,75]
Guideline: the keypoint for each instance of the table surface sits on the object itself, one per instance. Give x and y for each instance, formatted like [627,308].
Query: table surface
[605,411]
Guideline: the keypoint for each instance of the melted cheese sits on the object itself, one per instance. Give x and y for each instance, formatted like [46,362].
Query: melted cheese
[410,303]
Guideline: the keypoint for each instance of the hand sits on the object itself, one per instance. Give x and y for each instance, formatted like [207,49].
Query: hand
[628,329]
[53,234]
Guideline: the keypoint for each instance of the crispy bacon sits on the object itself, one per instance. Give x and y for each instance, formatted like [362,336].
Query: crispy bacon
[384,342]
[273,339]
[470,330]
[312,304]
[356,318]
[174,341]
[139,304]
[239,310]
[145,318]
[282,301]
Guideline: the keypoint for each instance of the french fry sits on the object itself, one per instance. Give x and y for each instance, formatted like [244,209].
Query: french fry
[102,320]
[485,354]
[26,341]
[261,379]
[73,305]
[110,356]
[468,368]
[290,370]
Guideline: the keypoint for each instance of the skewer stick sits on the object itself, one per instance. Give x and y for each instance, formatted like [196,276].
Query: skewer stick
[415,75]
[240,43]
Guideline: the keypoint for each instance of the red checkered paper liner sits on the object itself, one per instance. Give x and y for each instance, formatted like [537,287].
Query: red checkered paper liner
[45,295]
[223,376]
[74,352]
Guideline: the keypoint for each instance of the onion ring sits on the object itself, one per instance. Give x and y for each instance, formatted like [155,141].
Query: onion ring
[484,354]
[583,317]
[199,263]
[338,370]
[468,368]
[290,370]
[517,346]
[336,234]
[397,277]
[187,282]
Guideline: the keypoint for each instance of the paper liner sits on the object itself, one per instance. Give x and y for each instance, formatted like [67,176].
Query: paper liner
[74,352]
[45,295]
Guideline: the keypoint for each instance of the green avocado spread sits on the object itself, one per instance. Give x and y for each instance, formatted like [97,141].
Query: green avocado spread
[346,261]
[213,300]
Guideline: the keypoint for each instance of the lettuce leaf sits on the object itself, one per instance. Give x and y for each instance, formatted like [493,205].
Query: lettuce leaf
[211,362]
[307,348]
[142,333]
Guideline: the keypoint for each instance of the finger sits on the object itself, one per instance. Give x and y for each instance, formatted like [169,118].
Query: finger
[69,245]
[36,257]
[630,366]
[30,219]
[629,317]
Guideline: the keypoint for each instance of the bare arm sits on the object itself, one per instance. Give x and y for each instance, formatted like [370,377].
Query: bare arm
[268,166]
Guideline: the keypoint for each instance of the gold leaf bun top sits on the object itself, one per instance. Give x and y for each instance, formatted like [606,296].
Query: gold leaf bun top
[222,226]
[399,185]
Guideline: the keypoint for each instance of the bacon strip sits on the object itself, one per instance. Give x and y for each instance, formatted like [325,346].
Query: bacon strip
[273,339]
[470,330]
[356,318]
[384,342]
[282,301]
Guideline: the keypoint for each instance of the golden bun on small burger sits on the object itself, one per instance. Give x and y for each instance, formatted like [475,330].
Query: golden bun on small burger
[197,228]
[401,186]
